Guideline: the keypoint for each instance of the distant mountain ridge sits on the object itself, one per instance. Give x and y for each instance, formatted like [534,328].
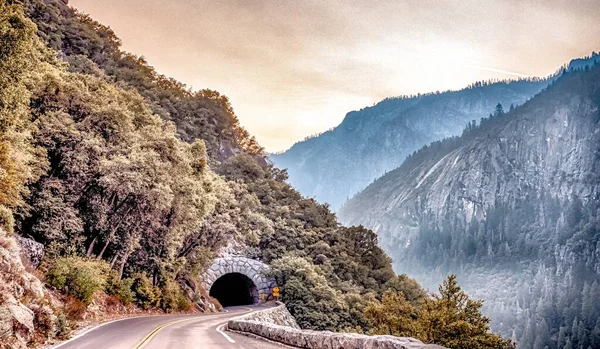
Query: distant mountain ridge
[513,207]
[339,163]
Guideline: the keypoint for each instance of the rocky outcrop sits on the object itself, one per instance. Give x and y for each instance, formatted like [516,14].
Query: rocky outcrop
[31,250]
[277,324]
[251,268]
[21,297]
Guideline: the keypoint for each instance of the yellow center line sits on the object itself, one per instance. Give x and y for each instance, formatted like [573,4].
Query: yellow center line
[153,333]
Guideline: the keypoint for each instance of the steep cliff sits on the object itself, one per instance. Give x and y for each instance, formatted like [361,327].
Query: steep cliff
[369,142]
[512,206]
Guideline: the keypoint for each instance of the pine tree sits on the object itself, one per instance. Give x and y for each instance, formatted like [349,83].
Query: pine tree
[499,110]
[542,338]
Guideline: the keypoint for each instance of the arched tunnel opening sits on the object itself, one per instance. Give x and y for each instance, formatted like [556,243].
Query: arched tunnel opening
[234,289]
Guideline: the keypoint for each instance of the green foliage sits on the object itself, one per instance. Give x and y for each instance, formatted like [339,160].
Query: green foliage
[409,287]
[146,295]
[144,190]
[307,294]
[173,298]
[120,288]
[394,315]
[450,319]
[62,327]
[78,277]
[17,58]
[7,221]
[454,320]
[205,114]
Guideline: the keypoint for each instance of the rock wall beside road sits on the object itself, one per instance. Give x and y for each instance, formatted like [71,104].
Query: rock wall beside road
[23,302]
[274,324]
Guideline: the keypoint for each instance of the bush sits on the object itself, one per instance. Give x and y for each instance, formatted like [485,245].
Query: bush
[120,289]
[173,298]
[78,277]
[146,295]
[7,221]
[62,327]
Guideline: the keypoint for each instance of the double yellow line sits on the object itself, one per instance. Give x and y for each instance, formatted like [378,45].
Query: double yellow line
[151,335]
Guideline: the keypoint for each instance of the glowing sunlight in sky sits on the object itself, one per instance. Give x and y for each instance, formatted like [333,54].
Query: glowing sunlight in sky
[295,68]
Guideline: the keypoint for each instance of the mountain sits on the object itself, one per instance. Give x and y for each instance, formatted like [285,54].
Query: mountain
[513,207]
[339,163]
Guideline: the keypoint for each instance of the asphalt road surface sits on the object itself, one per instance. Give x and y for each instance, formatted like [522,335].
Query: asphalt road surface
[169,331]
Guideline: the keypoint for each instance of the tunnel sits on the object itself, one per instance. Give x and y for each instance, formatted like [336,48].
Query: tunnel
[234,289]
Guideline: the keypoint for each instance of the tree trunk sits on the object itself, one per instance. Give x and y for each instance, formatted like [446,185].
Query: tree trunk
[114,260]
[91,248]
[125,258]
[104,249]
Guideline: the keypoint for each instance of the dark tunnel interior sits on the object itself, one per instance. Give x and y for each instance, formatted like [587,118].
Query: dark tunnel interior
[234,289]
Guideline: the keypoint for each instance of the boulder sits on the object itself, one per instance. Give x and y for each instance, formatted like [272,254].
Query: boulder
[16,323]
[31,251]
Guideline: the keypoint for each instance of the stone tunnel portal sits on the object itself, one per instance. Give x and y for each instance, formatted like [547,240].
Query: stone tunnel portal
[234,289]
[236,280]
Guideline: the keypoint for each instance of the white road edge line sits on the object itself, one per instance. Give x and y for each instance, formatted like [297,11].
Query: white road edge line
[220,327]
[97,327]
[224,334]
[88,331]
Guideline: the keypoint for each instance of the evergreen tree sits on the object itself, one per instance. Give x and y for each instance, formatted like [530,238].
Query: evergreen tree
[499,110]
[542,338]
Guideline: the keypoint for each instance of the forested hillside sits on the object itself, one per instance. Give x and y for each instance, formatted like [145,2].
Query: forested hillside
[133,183]
[339,163]
[513,207]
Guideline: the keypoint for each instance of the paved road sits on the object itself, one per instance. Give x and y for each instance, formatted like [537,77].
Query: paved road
[169,331]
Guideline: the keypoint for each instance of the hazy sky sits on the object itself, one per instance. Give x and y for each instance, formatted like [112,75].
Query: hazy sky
[294,68]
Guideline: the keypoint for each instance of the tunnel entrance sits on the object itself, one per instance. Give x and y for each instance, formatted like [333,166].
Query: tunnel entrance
[234,289]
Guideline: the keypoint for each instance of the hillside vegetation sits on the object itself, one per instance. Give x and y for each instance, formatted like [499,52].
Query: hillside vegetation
[133,183]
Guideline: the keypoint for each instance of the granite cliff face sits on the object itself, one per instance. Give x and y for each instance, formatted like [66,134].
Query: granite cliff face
[548,145]
[512,206]
[341,162]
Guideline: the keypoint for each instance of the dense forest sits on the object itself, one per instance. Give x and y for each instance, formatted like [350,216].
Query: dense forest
[133,183]
[513,208]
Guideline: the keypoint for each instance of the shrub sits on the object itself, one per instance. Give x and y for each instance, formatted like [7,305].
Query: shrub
[78,277]
[120,289]
[173,298]
[146,295]
[7,221]
[74,308]
[43,322]
[62,327]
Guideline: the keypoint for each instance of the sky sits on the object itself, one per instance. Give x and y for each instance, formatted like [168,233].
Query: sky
[293,68]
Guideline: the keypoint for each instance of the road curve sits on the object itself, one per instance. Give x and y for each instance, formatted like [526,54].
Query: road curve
[169,331]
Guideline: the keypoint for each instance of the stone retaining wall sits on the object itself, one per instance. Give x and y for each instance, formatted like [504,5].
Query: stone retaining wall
[278,315]
[271,324]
